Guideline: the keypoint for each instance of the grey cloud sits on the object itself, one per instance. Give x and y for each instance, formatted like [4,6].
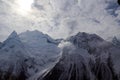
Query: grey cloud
[112,7]
[62,18]
[38,6]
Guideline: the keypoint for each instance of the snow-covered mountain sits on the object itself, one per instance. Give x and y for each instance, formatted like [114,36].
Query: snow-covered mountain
[91,58]
[100,49]
[24,55]
[33,55]
[12,57]
[42,48]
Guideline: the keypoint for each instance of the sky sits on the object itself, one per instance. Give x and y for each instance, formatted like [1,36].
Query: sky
[60,18]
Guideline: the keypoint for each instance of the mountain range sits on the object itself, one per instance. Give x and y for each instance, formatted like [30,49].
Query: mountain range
[33,55]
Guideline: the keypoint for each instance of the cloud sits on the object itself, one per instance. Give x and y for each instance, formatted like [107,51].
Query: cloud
[62,18]
[90,16]
[65,44]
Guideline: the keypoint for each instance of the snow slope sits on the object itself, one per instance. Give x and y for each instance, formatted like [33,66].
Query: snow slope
[43,49]
[26,54]
[12,57]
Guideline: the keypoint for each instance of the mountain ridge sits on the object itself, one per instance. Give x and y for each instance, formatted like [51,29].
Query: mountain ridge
[39,57]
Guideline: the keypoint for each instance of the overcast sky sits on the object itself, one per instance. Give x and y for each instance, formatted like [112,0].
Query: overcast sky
[60,18]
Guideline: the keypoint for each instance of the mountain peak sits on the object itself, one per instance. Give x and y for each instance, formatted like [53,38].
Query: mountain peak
[83,37]
[34,32]
[13,35]
[89,36]
[85,40]
[12,38]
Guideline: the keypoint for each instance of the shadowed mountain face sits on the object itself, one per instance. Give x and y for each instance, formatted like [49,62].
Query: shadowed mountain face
[72,66]
[98,47]
[90,59]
